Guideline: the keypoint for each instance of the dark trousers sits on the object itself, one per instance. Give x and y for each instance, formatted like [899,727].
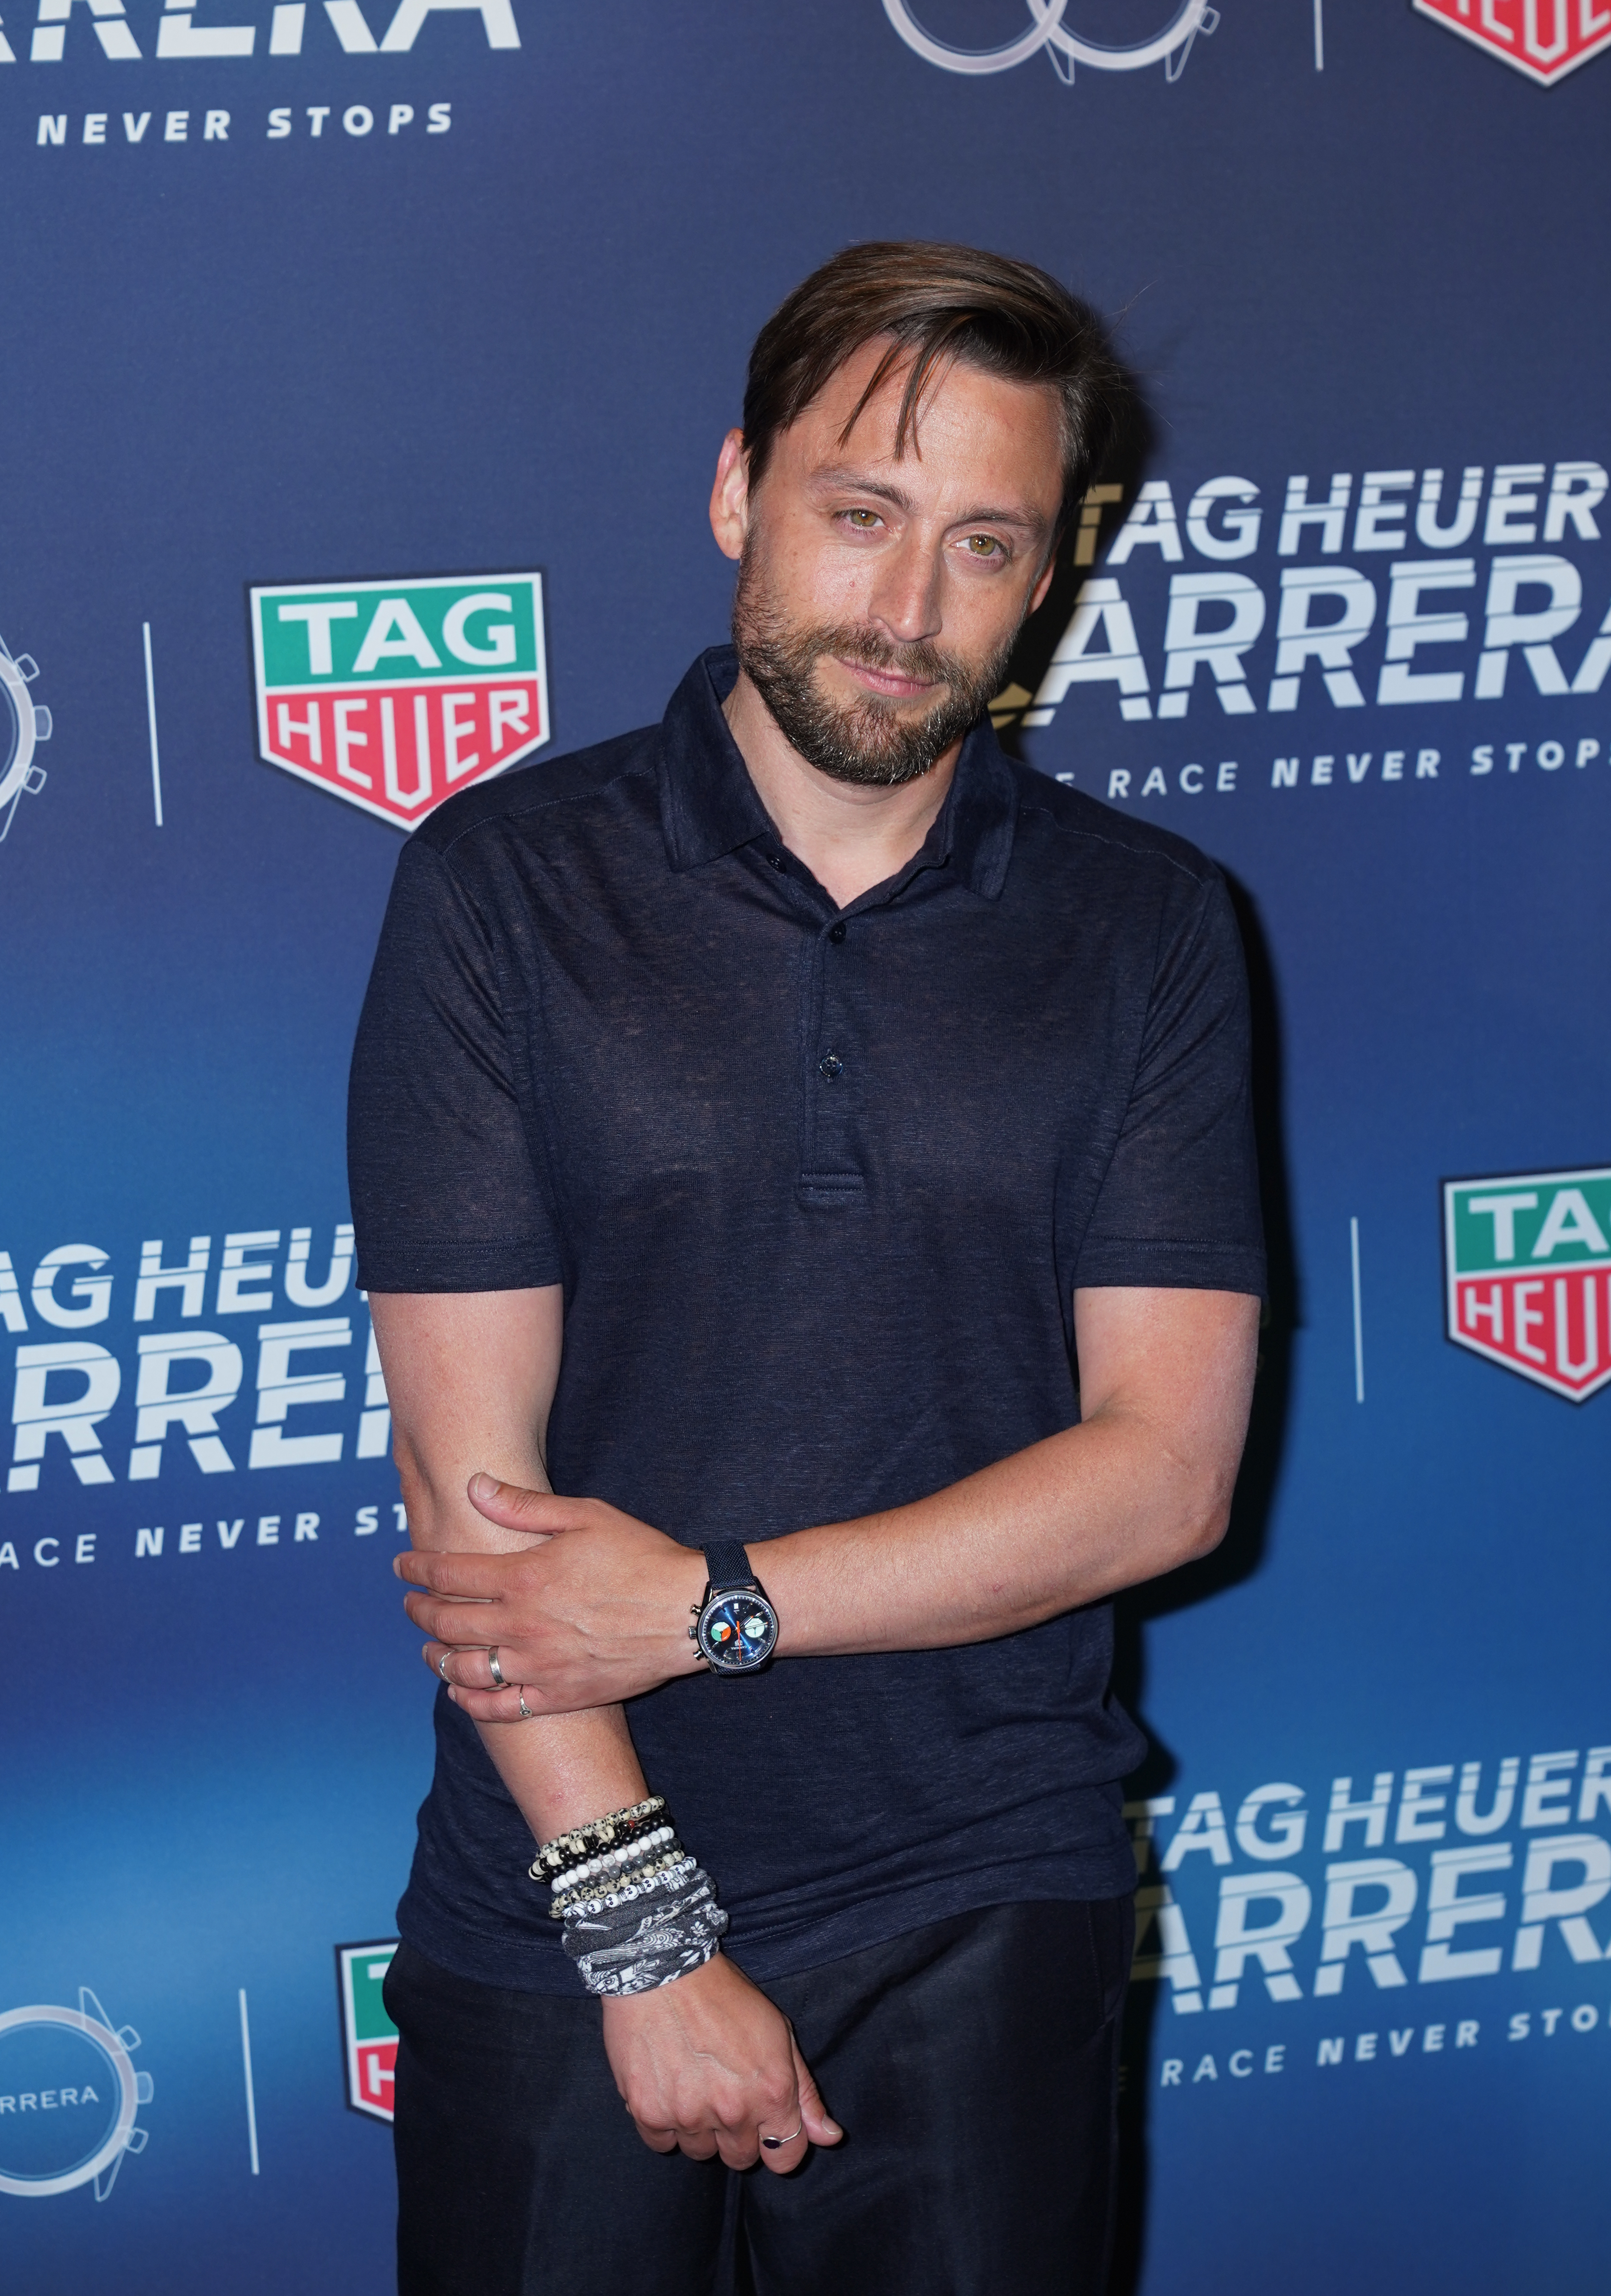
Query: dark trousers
[972,2064]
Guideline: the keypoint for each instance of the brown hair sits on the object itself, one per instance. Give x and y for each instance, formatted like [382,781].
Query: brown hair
[936,302]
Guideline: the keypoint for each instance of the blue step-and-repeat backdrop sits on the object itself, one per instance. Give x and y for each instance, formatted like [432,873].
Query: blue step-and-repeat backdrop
[365,366]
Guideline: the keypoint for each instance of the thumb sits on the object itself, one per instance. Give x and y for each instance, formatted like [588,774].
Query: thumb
[814,2115]
[513,1507]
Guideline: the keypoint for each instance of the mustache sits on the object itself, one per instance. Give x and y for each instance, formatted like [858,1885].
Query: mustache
[912,658]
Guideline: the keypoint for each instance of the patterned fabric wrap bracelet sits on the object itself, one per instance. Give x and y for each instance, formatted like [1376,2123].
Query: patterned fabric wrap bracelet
[671,1928]
[568,1850]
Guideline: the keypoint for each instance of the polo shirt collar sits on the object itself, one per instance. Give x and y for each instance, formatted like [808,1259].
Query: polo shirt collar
[710,806]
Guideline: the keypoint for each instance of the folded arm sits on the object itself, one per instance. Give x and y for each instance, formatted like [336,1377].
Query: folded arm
[471,1378]
[1140,1486]
[705,2063]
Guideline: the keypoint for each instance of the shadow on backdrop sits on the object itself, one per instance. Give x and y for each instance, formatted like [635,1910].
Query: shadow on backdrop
[1237,1557]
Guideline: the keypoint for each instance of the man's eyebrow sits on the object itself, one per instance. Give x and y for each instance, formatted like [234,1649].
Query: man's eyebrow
[840,477]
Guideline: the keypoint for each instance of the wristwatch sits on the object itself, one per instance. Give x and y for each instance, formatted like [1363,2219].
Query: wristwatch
[734,1627]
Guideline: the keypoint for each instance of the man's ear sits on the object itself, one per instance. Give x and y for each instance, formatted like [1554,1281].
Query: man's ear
[730,496]
[1043,581]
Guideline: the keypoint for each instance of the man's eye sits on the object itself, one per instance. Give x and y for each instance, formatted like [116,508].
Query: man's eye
[984,546]
[863,520]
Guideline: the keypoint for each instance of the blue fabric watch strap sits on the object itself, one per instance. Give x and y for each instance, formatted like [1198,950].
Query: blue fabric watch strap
[728,1564]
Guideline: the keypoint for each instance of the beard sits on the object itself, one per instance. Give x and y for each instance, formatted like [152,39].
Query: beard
[872,742]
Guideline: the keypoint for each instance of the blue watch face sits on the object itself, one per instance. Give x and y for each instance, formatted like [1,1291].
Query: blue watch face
[737,1632]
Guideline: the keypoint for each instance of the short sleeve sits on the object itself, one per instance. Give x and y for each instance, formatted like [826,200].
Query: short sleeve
[445,1194]
[1178,1205]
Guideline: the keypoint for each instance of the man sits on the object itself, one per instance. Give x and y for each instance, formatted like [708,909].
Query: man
[818,1149]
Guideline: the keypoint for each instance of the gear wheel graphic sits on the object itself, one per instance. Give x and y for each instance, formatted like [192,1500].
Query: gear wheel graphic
[54,2063]
[24,724]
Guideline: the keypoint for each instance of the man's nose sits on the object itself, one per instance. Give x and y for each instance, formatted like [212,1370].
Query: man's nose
[905,597]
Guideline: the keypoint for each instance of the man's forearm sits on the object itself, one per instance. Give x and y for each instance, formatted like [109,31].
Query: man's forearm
[1141,1486]
[471,1379]
[562,1769]
[1067,1521]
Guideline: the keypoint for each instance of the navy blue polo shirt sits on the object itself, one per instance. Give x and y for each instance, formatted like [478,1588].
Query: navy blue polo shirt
[819,1184]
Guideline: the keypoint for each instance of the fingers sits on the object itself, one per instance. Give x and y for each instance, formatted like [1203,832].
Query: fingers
[708,2065]
[520,1702]
[782,2153]
[741,2144]
[819,2123]
[447,1621]
[515,1701]
[474,1578]
[665,2140]
[484,1578]
[468,1666]
[697,2143]
[513,1508]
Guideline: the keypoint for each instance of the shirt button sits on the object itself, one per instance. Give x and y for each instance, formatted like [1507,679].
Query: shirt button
[777,861]
[830,1066]
[836,933]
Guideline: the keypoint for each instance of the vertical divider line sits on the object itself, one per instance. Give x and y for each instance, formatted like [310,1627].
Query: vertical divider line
[156,766]
[1359,1315]
[251,2102]
[1319,34]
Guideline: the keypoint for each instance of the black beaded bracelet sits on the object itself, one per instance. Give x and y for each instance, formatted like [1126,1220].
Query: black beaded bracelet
[556,1858]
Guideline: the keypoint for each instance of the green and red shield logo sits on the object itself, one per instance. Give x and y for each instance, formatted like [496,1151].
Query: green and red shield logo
[368,2036]
[1528,1267]
[1545,39]
[393,694]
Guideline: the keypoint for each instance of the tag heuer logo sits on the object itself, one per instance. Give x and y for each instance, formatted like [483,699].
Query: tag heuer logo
[1529,1274]
[393,694]
[368,2036]
[1544,38]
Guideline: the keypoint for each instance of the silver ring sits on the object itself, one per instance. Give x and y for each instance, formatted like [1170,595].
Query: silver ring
[526,1713]
[497,1672]
[441,1666]
[775,2144]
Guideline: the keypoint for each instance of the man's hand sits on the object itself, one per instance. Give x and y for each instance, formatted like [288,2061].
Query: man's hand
[708,2064]
[595,1610]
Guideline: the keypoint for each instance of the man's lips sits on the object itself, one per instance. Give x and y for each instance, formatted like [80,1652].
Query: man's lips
[896,683]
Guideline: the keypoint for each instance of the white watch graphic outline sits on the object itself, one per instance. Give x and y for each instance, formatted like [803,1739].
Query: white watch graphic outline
[29,725]
[1064,48]
[116,2044]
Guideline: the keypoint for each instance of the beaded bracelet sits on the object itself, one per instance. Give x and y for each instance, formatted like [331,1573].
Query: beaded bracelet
[639,1881]
[567,1851]
[630,1853]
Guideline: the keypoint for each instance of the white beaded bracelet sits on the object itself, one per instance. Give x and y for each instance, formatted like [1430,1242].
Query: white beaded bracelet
[565,1901]
[666,1873]
[611,1859]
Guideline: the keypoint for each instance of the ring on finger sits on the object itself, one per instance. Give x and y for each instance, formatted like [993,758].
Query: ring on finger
[776,2143]
[526,1713]
[441,1666]
[498,1680]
